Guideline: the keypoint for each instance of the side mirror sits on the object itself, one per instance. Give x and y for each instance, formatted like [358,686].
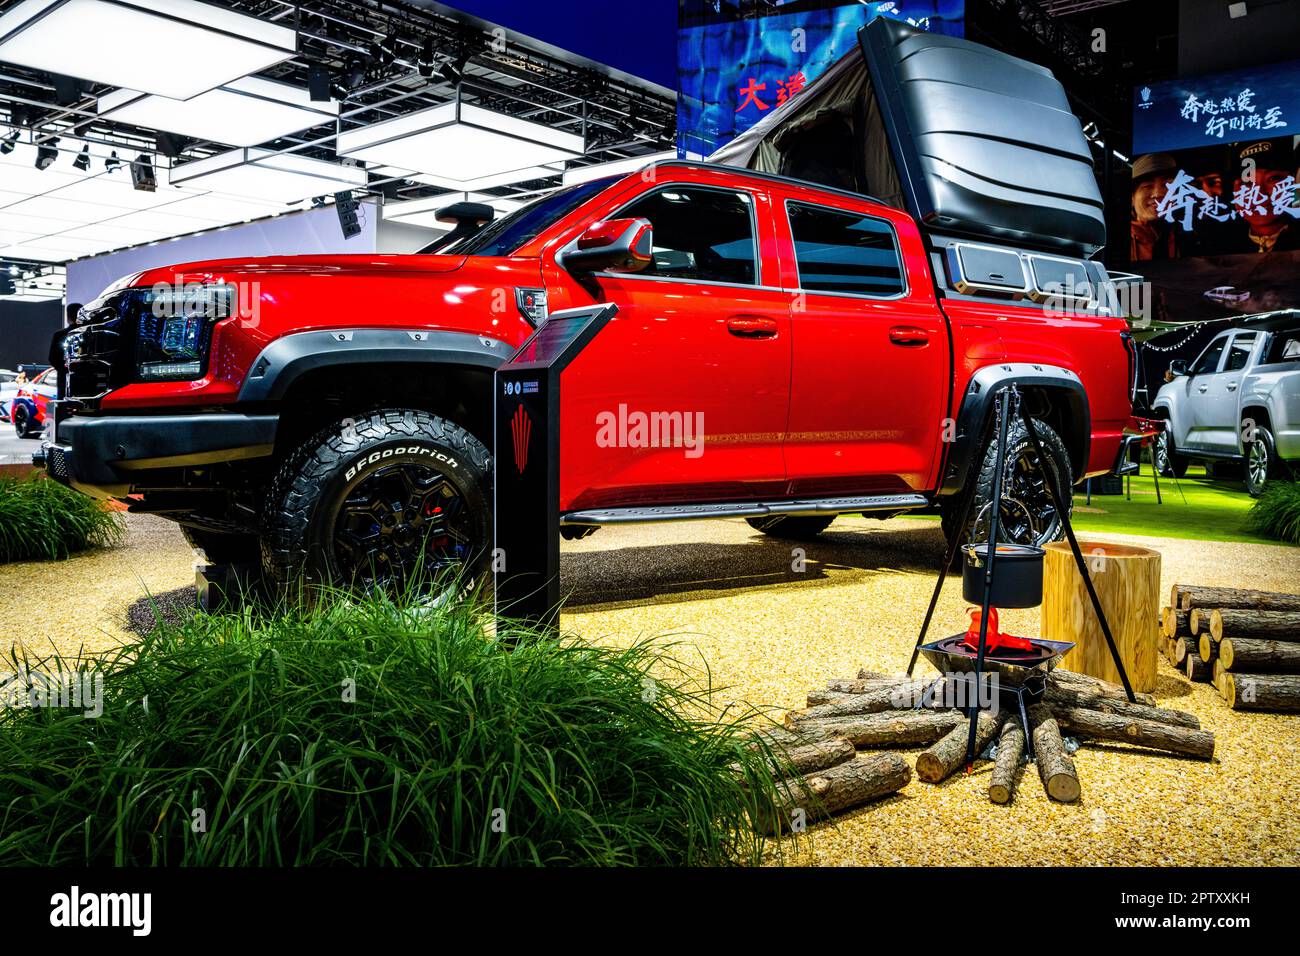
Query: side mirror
[612,245]
[1178,367]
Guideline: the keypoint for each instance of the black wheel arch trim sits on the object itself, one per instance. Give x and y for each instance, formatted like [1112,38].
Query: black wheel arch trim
[976,412]
[286,359]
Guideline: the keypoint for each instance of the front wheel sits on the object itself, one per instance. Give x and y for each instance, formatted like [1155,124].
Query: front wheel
[1027,515]
[374,503]
[22,424]
[1261,453]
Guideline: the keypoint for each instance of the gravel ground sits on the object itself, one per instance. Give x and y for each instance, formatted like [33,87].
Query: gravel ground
[772,626]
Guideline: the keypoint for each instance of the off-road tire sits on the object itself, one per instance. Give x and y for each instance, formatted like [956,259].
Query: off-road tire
[1260,454]
[222,548]
[308,493]
[1019,448]
[792,527]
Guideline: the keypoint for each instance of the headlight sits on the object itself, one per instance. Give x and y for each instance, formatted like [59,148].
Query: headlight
[175,327]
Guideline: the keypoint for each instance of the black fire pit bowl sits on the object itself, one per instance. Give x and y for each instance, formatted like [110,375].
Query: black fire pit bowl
[1017,575]
[950,655]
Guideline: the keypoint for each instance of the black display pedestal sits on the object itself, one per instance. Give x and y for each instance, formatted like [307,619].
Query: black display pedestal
[526,466]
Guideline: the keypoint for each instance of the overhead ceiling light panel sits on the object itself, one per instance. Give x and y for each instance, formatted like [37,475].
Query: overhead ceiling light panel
[272,177]
[424,212]
[528,174]
[617,167]
[244,112]
[459,142]
[174,48]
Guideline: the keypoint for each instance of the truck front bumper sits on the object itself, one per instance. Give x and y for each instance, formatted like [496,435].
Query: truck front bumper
[110,456]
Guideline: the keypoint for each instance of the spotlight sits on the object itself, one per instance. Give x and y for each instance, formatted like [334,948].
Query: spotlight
[82,162]
[46,153]
[355,74]
[142,174]
[425,62]
[170,145]
[318,84]
[453,71]
[317,202]
[112,163]
[8,143]
[346,208]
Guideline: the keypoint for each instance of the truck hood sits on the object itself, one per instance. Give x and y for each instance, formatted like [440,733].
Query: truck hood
[218,269]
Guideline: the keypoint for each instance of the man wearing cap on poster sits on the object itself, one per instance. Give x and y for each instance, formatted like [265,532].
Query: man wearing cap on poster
[1150,236]
[1265,197]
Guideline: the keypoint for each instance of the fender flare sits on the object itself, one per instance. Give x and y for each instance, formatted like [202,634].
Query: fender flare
[977,407]
[286,359]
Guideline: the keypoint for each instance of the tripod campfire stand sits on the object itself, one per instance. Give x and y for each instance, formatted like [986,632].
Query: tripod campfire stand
[1008,403]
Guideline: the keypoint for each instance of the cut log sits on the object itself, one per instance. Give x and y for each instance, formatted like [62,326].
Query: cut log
[778,738]
[862,685]
[1198,672]
[894,728]
[1261,625]
[902,696]
[817,796]
[1145,733]
[1055,767]
[1184,597]
[1198,621]
[1086,684]
[949,752]
[1259,656]
[818,697]
[1175,623]
[820,755]
[1185,647]
[1207,648]
[1216,677]
[864,674]
[1109,705]
[1006,766]
[1279,692]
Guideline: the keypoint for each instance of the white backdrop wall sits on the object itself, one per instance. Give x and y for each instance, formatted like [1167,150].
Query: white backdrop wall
[310,232]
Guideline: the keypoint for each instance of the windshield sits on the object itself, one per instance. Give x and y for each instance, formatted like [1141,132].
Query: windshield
[503,236]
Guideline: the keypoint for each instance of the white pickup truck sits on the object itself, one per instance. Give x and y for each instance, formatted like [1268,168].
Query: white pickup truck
[1239,401]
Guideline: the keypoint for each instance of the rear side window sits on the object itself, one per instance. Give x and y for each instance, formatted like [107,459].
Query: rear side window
[1239,354]
[844,252]
[1283,347]
[701,234]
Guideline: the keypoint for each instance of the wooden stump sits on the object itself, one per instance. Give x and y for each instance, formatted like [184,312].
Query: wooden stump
[1280,692]
[1006,766]
[1259,657]
[1054,765]
[1260,625]
[1127,581]
[1184,597]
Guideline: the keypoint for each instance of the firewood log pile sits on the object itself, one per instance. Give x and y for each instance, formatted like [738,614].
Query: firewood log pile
[820,746]
[1244,643]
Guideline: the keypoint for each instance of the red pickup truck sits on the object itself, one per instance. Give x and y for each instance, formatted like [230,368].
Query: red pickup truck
[786,348]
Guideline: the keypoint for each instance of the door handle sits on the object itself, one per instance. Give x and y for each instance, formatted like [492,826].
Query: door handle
[1232,386]
[752,327]
[1203,388]
[908,335]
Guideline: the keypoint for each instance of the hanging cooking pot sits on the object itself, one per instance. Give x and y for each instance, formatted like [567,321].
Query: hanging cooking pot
[1017,575]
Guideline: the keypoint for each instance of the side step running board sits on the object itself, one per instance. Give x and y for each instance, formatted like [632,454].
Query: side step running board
[754,509]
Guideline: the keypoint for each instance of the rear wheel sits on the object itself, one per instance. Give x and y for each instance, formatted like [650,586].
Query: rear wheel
[792,527]
[1027,515]
[372,504]
[1261,457]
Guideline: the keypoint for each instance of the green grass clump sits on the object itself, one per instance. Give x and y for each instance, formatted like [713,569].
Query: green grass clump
[230,739]
[41,519]
[1276,513]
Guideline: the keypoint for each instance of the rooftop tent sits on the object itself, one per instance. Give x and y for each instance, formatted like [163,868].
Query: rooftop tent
[970,141]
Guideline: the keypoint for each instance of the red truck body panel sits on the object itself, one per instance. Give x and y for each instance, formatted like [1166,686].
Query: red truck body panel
[838,394]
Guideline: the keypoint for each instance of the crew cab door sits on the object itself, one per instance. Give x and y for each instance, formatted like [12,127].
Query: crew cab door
[1200,390]
[870,365]
[1222,425]
[700,347]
